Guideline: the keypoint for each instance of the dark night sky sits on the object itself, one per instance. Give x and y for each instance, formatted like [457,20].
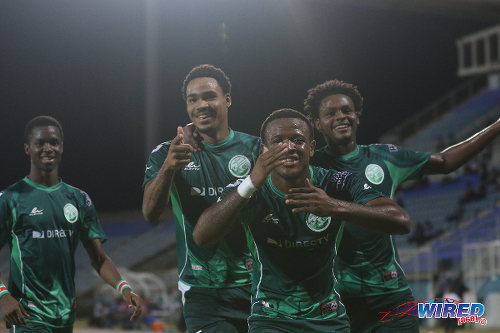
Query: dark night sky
[83,62]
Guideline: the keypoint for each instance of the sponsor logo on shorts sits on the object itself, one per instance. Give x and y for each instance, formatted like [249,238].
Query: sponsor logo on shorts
[70,213]
[391,275]
[196,267]
[249,265]
[374,173]
[329,308]
[239,166]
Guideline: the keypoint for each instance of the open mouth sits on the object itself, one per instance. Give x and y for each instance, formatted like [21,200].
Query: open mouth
[47,158]
[204,116]
[342,126]
[289,161]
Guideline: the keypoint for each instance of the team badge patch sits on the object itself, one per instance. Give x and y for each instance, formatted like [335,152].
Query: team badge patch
[374,173]
[239,166]
[318,223]
[70,213]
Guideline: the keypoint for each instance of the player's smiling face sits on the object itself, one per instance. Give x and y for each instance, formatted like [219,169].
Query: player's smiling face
[45,148]
[337,119]
[207,105]
[293,132]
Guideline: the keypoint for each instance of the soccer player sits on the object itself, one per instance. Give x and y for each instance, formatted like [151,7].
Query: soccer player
[215,282]
[42,219]
[368,268]
[293,215]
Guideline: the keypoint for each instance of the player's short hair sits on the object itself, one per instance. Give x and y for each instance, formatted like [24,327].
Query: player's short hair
[285,113]
[327,88]
[41,121]
[207,70]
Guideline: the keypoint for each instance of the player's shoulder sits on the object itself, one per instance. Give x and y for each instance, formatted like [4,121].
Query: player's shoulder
[16,188]
[245,137]
[385,150]
[78,193]
[162,147]
[330,177]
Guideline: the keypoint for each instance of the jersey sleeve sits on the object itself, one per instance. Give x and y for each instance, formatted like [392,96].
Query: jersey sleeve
[403,163]
[247,213]
[348,187]
[91,226]
[5,218]
[155,161]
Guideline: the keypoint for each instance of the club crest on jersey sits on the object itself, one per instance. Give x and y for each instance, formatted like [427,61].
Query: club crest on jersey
[70,213]
[318,223]
[374,173]
[239,166]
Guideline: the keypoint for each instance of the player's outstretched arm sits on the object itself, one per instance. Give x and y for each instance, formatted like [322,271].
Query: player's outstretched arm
[12,310]
[217,220]
[457,155]
[381,215]
[157,191]
[108,272]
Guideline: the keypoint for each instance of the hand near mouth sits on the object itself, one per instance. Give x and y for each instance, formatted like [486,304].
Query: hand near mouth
[268,161]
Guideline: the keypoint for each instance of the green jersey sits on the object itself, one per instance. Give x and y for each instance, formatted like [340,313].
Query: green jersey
[42,226]
[294,253]
[368,263]
[197,185]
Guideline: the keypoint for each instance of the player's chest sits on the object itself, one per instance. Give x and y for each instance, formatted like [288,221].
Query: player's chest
[47,217]
[280,228]
[215,170]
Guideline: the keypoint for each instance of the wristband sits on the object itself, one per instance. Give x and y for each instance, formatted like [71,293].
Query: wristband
[3,290]
[246,188]
[122,285]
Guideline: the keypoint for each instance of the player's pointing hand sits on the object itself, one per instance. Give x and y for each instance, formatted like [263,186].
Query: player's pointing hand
[179,153]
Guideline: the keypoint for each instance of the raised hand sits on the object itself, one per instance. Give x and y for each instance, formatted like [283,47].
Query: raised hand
[192,137]
[179,152]
[267,161]
[311,199]
[13,310]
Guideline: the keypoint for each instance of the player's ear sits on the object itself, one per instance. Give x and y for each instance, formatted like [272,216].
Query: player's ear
[26,149]
[316,123]
[228,100]
[313,147]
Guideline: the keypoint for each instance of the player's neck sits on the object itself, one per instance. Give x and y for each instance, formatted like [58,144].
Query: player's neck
[213,137]
[45,178]
[283,185]
[339,149]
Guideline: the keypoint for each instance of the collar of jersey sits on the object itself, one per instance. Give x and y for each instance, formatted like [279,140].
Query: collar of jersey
[220,143]
[353,153]
[41,187]
[280,194]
